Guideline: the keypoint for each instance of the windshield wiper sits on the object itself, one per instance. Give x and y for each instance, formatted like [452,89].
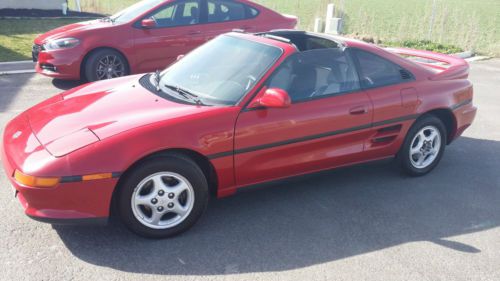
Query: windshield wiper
[157,80]
[108,19]
[185,93]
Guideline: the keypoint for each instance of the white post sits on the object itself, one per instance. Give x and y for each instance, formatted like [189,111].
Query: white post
[78,7]
[332,24]
[433,16]
[317,25]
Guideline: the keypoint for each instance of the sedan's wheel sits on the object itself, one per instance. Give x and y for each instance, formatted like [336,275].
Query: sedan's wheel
[423,147]
[105,64]
[163,196]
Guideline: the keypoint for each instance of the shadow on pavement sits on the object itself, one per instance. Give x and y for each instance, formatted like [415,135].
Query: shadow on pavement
[66,84]
[316,219]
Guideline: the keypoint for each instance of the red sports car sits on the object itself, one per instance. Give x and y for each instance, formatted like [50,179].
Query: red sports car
[146,36]
[239,110]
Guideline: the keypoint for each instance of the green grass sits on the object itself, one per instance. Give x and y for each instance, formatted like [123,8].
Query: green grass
[16,36]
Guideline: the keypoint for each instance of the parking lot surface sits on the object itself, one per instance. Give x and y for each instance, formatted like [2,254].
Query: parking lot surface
[366,222]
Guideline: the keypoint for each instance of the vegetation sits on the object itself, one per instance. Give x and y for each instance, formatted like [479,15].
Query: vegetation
[426,45]
[16,36]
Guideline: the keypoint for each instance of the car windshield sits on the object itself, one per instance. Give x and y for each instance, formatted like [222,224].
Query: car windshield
[220,72]
[135,10]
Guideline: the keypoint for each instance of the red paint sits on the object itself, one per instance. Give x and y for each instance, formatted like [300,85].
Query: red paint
[145,47]
[118,122]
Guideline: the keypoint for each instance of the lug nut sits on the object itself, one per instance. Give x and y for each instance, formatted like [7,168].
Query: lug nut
[170,205]
[154,201]
[161,192]
[160,209]
[171,196]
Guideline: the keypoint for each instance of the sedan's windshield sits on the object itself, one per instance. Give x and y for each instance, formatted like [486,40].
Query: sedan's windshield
[220,72]
[135,10]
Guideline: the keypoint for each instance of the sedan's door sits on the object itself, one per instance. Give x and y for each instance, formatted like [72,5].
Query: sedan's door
[325,126]
[178,30]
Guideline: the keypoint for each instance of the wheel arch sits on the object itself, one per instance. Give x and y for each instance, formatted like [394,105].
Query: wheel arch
[89,53]
[202,161]
[448,118]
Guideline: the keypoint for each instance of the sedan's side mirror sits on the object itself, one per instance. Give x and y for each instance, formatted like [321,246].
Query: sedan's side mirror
[148,23]
[273,98]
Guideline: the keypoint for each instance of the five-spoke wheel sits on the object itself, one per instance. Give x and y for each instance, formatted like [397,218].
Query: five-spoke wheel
[423,146]
[163,200]
[163,196]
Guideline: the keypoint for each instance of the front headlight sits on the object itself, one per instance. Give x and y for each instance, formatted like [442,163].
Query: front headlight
[63,43]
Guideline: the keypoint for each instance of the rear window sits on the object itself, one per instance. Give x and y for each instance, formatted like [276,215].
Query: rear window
[376,71]
[223,10]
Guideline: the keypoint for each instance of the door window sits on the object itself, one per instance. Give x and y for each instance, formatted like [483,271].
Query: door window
[182,13]
[315,74]
[376,71]
[223,10]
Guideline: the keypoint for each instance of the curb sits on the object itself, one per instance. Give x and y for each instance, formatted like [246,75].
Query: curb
[3,73]
[15,62]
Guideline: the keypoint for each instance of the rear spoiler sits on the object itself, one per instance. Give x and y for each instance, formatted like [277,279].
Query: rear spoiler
[446,67]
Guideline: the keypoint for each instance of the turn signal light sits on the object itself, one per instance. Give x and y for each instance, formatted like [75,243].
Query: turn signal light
[97,176]
[32,181]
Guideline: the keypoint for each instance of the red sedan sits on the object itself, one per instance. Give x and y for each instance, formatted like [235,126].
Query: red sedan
[240,110]
[145,37]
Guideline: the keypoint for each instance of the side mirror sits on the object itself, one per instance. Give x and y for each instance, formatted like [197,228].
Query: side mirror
[273,98]
[148,23]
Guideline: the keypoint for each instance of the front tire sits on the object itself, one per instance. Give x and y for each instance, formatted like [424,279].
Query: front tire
[105,64]
[423,147]
[163,197]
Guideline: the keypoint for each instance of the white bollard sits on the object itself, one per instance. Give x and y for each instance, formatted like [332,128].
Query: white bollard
[318,28]
[78,7]
[65,8]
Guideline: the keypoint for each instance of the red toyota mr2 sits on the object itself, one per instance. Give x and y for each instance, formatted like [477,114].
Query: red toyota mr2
[240,110]
[145,37]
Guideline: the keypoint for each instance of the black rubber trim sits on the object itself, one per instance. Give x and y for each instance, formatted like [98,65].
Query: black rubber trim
[463,103]
[86,221]
[69,179]
[313,137]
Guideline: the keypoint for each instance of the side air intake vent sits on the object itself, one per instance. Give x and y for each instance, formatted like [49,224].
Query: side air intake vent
[405,75]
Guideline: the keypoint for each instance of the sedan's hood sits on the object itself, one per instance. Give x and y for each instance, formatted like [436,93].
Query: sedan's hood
[72,30]
[97,111]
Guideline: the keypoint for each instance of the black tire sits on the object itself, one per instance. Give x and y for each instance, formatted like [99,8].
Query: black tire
[406,163]
[174,163]
[92,64]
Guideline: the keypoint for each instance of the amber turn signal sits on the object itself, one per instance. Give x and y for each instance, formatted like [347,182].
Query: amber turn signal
[32,181]
[97,176]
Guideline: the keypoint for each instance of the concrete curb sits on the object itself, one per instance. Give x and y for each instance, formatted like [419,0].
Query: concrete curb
[15,62]
[3,73]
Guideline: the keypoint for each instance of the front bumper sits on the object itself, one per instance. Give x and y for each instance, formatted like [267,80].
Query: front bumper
[60,64]
[67,202]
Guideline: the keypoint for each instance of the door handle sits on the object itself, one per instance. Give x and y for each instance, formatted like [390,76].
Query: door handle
[194,32]
[358,110]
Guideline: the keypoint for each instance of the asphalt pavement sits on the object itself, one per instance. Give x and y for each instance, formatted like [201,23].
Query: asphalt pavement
[366,222]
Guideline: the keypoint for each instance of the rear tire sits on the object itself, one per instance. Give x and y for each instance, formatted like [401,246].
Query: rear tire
[163,197]
[105,64]
[423,147]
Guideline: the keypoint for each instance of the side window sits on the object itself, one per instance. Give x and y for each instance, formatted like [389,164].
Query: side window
[376,71]
[223,10]
[181,13]
[315,74]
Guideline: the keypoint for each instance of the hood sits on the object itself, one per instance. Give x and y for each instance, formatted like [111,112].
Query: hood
[100,110]
[72,30]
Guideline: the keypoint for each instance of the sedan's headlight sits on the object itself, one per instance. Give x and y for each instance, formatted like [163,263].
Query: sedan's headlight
[63,43]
